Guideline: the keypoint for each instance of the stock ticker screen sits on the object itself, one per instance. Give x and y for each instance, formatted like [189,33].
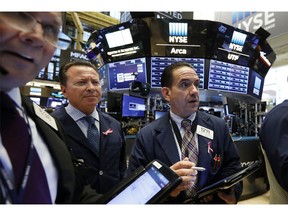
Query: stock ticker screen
[228,77]
[159,63]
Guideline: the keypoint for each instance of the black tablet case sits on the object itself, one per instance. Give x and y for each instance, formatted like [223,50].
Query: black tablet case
[229,181]
[164,192]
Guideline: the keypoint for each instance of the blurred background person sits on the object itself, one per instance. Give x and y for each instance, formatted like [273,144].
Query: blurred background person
[274,141]
[35,164]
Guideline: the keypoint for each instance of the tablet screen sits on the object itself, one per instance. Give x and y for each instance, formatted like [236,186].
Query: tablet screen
[144,188]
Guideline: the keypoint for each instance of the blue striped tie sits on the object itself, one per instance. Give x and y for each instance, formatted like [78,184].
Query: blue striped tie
[93,134]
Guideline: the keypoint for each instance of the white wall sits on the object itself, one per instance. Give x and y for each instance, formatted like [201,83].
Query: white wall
[276,85]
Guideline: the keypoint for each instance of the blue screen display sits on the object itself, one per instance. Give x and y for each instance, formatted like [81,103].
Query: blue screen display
[133,106]
[256,83]
[158,64]
[122,73]
[228,77]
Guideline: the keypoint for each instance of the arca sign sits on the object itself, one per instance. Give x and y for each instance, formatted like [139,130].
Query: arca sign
[178,33]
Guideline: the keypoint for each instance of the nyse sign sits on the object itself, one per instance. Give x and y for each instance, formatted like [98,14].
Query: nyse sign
[252,23]
[178,39]
[274,22]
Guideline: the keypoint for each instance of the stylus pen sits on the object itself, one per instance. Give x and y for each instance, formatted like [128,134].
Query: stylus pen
[199,168]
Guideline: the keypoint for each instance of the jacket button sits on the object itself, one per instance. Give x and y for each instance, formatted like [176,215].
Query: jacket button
[100,172]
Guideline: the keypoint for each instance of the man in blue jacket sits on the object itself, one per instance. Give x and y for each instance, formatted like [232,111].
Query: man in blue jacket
[105,164]
[162,139]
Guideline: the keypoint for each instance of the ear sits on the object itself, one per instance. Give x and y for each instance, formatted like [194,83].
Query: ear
[63,89]
[166,93]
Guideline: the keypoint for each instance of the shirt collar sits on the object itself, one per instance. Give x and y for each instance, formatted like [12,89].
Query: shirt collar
[15,95]
[177,119]
[77,114]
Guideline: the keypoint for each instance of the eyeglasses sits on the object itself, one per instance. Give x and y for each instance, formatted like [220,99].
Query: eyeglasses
[26,23]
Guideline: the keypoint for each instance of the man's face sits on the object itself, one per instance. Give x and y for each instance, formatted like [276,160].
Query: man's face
[83,88]
[184,93]
[24,53]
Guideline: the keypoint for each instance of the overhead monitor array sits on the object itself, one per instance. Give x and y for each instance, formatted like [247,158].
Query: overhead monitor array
[226,58]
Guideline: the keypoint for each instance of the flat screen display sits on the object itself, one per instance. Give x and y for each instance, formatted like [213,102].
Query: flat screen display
[114,101]
[122,73]
[178,38]
[265,59]
[231,44]
[55,102]
[158,64]
[256,83]
[133,106]
[228,77]
[35,91]
[124,41]
[119,38]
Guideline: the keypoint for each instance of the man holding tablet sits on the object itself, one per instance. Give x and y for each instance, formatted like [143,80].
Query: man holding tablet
[205,142]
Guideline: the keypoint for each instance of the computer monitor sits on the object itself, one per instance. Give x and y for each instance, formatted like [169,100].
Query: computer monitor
[178,38]
[229,44]
[158,64]
[123,41]
[224,76]
[55,102]
[255,86]
[122,73]
[232,106]
[114,101]
[133,106]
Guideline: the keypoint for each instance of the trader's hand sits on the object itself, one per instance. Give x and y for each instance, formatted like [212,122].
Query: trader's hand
[227,195]
[184,170]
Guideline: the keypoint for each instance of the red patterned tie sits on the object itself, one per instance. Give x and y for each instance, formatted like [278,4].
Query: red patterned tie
[189,149]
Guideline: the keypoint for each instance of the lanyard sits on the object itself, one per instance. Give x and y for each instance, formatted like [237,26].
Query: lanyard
[177,131]
[17,197]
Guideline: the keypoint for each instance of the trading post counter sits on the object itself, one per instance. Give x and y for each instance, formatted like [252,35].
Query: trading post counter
[250,150]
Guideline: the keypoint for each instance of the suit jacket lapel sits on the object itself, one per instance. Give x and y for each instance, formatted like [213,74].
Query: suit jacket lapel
[166,140]
[73,131]
[58,151]
[104,126]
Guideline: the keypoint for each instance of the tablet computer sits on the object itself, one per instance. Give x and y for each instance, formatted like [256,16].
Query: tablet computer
[229,181]
[148,185]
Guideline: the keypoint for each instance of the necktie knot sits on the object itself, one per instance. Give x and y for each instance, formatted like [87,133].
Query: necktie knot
[186,124]
[89,119]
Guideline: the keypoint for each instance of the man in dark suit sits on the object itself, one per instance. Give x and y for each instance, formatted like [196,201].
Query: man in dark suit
[106,165]
[162,138]
[273,137]
[47,174]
